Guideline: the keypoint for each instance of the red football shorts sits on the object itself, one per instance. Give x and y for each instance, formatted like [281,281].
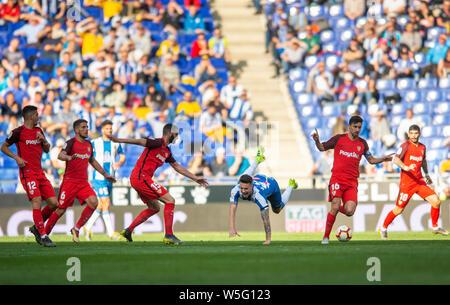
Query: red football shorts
[37,186]
[407,191]
[71,190]
[346,190]
[147,189]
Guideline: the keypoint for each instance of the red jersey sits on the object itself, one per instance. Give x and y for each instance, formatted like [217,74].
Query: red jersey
[77,169]
[153,156]
[29,148]
[411,153]
[347,155]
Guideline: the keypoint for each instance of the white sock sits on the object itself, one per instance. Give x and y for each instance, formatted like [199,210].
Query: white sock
[92,220]
[286,194]
[108,225]
[252,168]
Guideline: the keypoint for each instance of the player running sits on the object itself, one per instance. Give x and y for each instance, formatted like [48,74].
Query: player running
[411,158]
[259,189]
[343,187]
[30,142]
[105,152]
[78,154]
[156,152]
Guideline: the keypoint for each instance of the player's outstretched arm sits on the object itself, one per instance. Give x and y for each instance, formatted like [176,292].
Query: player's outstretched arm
[425,170]
[402,165]
[142,142]
[183,171]
[315,137]
[101,170]
[266,221]
[232,220]
[45,144]
[372,160]
[7,151]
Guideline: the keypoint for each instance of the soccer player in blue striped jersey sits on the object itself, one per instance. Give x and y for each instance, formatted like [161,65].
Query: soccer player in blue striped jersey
[262,190]
[105,152]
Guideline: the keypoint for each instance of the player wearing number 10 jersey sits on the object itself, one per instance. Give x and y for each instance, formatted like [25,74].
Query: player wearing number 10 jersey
[156,152]
[411,158]
[348,151]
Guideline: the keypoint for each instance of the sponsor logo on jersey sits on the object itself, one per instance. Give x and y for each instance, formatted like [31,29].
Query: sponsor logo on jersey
[84,156]
[414,158]
[32,142]
[160,157]
[348,154]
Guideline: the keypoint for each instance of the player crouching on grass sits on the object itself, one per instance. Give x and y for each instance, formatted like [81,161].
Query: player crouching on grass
[259,189]
[411,158]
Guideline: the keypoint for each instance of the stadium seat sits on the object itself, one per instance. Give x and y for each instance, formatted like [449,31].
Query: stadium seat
[446,131]
[425,118]
[331,110]
[306,99]
[399,109]
[421,108]
[427,83]
[430,131]
[345,36]
[435,142]
[311,61]
[411,96]
[394,120]
[420,59]
[9,188]
[335,10]
[312,122]
[433,96]
[441,108]
[332,60]
[385,84]
[341,24]
[433,33]
[406,84]
[10,174]
[309,111]
[314,12]
[299,86]
[297,74]
[444,83]
[326,36]
[441,119]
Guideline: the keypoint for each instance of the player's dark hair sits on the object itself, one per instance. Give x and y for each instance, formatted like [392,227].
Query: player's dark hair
[246,179]
[168,128]
[355,119]
[28,110]
[78,123]
[106,122]
[414,127]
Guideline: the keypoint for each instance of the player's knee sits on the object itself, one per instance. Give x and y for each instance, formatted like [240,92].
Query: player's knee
[350,212]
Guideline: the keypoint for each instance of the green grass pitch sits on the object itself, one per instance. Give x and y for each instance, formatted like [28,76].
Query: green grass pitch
[214,258]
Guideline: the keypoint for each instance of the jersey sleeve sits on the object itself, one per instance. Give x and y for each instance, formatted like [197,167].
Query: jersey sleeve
[67,148]
[154,143]
[261,201]
[13,137]
[120,150]
[170,159]
[234,196]
[401,152]
[331,143]
[366,152]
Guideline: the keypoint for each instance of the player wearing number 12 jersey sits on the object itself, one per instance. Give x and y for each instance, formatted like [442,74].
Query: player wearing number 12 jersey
[156,152]
[348,151]
[30,143]
[411,158]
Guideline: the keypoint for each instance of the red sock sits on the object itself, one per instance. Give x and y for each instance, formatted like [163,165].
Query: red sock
[434,216]
[329,225]
[143,216]
[46,212]
[342,210]
[389,218]
[168,217]
[51,222]
[85,215]
[37,218]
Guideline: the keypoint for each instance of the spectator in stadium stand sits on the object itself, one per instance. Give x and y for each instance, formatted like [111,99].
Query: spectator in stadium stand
[379,127]
[205,73]
[283,33]
[403,127]
[412,38]
[153,99]
[369,42]
[434,56]
[4,80]
[394,6]
[169,46]
[354,54]
[52,9]
[340,126]
[443,67]
[128,129]
[125,70]
[188,107]
[199,166]
[380,65]
[297,19]
[230,91]
[237,163]
[153,10]
[218,46]
[20,95]
[194,22]
[63,120]
[12,55]
[15,73]
[9,12]
[218,165]
[117,97]
[9,107]
[339,72]
[346,92]
[172,17]
[240,110]
[443,17]
[168,74]
[368,94]
[354,8]
[320,82]
[112,42]
[69,67]
[95,67]
[47,119]
[425,15]
[31,29]
[92,39]
[322,166]
[146,70]
[196,3]
[211,123]
[199,46]
[142,39]
[312,40]
[52,43]
[405,65]
[157,120]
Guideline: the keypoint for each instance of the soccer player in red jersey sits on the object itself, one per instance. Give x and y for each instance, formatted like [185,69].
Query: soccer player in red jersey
[78,154]
[411,158]
[156,152]
[343,187]
[30,143]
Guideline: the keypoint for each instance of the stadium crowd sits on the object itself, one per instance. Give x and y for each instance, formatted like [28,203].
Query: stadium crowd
[387,60]
[140,64]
